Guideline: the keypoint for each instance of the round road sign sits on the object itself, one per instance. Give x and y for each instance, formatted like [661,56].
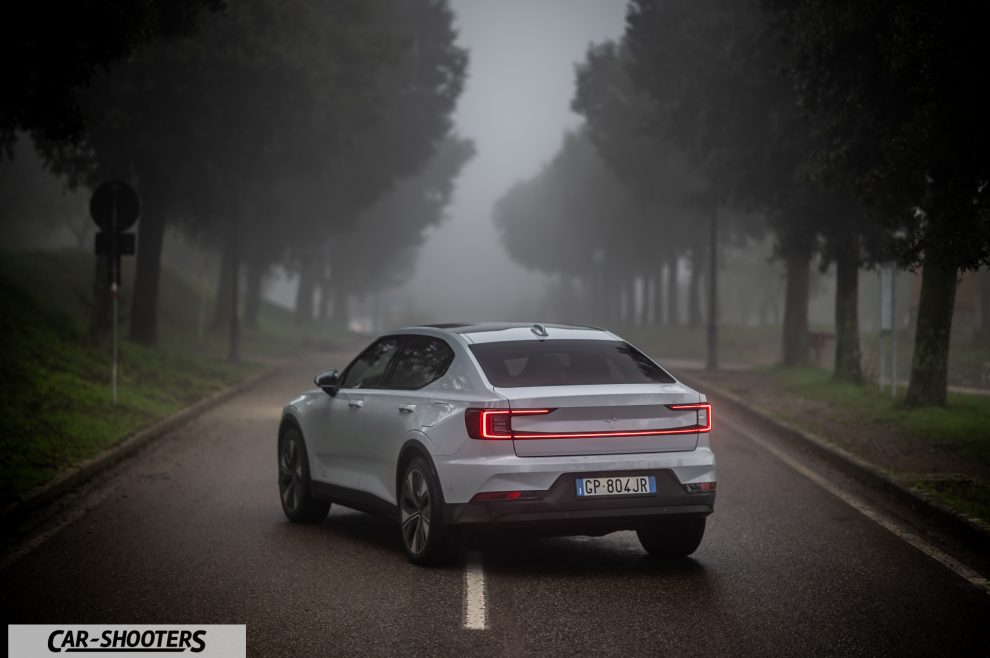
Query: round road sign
[114,206]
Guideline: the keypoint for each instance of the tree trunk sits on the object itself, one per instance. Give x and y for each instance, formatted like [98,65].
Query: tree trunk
[323,310]
[144,304]
[929,366]
[847,354]
[673,302]
[982,279]
[694,286]
[221,308]
[653,318]
[795,336]
[252,302]
[304,293]
[658,297]
[336,305]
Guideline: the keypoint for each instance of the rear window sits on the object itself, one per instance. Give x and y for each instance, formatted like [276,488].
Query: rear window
[512,364]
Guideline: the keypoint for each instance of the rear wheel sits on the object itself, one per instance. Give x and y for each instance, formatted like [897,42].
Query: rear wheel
[424,537]
[293,481]
[672,538]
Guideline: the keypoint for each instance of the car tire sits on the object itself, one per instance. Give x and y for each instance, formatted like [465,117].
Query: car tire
[672,538]
[425,539]
[294,491]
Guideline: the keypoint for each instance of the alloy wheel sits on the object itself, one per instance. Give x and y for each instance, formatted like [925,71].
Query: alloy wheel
[415,511]
[290,474]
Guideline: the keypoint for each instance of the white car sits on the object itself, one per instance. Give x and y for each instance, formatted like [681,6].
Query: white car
[553,429]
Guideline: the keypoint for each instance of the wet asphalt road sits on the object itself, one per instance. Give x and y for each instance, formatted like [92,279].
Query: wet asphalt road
[190,531]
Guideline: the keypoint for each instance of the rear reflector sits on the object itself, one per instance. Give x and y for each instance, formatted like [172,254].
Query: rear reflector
[700,487]
[488,496]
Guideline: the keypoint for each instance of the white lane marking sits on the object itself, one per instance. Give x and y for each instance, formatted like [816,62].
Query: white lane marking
[871,513]
[52,527]
[474,594]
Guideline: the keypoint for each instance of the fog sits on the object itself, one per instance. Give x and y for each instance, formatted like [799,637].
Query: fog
[516,106]
[365,165]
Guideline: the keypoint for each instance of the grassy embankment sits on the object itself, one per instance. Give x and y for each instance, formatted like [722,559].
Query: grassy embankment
[942,451]
[954,441]
[57,408]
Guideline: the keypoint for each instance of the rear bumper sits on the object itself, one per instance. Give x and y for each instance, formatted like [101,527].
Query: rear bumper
[559,511]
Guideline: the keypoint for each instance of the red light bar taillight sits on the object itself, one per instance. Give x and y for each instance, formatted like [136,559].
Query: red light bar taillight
[495,423]
[704,414]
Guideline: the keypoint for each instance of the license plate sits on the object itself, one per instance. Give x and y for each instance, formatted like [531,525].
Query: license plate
[618,485]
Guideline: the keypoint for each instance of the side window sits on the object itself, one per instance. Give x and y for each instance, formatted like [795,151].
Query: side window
[421,361]
[368,370]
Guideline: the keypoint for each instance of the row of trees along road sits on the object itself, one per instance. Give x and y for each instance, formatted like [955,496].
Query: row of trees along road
[262,127]
[854,132]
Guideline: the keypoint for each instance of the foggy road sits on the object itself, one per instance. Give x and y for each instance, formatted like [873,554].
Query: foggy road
[191,531]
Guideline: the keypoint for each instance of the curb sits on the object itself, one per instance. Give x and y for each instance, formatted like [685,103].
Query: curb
[973,529]
[77,475]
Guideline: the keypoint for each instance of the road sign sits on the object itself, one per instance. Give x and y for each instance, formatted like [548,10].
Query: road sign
[105,244]
[114,196]
[114,207]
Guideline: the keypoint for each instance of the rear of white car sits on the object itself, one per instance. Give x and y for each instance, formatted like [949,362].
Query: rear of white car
[544,429]
[583,435]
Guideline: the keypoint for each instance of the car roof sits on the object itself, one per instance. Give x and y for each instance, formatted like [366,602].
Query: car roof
[489,332]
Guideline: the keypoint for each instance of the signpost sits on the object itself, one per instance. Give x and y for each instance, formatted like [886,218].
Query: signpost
[114,207]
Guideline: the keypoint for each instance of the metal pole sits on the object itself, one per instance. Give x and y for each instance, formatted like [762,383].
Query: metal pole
[893,331]
[114,277]
[712,364]
[113,294]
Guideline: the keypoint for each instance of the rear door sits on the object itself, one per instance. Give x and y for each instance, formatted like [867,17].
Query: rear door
[589,397]
[340,451]
[398,408]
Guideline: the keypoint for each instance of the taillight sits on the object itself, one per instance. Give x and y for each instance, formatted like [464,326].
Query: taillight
[495,423]
[704,410]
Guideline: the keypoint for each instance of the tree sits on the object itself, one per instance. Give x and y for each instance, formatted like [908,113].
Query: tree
[415,99]
[711,67]
[49,51]
[380,248]
[263,92]
[655,169]
[898,91]
[578,196]
[706,66]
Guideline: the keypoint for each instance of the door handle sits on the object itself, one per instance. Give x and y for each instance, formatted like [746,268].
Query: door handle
[407,408]
[355,404]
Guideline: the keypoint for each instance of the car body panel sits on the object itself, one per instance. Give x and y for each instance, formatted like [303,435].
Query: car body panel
[616,408]
[354,438]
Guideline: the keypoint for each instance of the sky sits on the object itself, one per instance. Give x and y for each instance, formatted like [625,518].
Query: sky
[516,108]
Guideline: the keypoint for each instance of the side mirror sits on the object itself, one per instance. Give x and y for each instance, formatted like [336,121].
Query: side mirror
[329,381]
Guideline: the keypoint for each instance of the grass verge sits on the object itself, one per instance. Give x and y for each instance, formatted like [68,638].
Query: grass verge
[942,451]
[57,408]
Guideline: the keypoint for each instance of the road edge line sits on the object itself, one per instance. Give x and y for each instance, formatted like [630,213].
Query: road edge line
[884,521]
[970,528]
